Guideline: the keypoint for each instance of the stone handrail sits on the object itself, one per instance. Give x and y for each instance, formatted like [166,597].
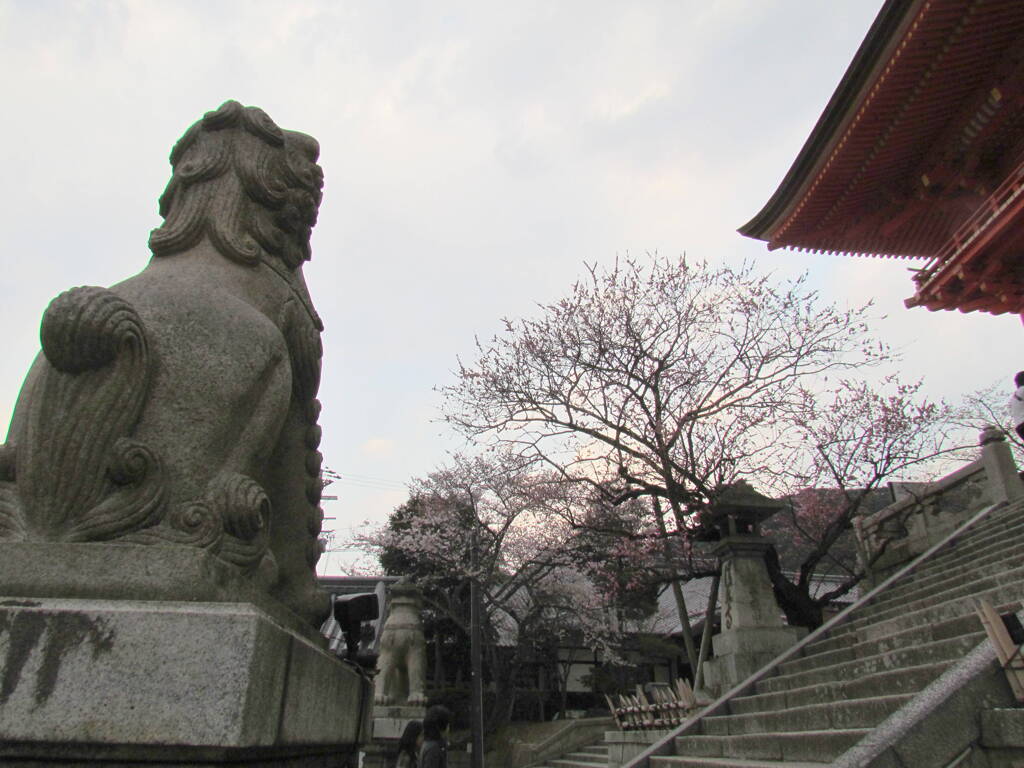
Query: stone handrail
[894,535]
[910,524]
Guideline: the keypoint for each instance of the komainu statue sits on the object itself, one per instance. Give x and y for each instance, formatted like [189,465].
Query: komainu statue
[179,407]
[403,651]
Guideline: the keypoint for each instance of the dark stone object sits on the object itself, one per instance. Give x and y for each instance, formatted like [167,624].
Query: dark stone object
[351,612]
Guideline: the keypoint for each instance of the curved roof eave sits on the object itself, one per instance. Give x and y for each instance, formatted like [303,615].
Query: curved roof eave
[878,39]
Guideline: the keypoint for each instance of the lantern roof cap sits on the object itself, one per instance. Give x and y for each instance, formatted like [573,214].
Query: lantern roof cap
[741,499]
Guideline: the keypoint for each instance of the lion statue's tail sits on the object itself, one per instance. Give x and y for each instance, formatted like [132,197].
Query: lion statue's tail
[78,474]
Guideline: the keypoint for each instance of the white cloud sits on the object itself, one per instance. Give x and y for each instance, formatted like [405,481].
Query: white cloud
[378,448]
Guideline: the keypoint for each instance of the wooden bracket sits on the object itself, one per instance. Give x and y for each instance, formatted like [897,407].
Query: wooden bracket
[1007,651]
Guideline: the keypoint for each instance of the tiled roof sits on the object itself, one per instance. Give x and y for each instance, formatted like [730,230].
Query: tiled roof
[697,592]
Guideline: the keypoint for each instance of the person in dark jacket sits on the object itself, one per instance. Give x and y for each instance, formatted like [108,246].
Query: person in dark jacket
[409,745]
[436,726]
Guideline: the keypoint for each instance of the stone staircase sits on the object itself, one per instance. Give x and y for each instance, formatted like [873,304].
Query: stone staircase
[595,756]
[815,707]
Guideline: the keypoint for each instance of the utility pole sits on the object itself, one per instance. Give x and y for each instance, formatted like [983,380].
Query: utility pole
[477,688]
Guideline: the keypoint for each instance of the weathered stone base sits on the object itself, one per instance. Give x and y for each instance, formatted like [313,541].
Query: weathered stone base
[133,572]
[739,653]
[122,683]
[389,722]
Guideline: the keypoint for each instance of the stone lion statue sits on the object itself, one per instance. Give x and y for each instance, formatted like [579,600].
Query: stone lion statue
[403,651]
[179,406]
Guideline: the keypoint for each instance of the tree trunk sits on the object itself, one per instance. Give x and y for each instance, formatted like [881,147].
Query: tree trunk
[794,599]
[705,638]
[503,679]
[677,592]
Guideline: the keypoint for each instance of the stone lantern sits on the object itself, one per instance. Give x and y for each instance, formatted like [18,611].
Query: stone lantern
[752,629]
[740,510]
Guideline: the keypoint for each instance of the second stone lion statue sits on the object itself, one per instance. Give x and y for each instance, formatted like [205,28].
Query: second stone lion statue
[400,681]
[179,406]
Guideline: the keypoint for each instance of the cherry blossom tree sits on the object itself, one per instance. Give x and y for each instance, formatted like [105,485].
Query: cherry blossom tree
[668,379]
[847,443]
[493,518]
[988,406]
[659,377]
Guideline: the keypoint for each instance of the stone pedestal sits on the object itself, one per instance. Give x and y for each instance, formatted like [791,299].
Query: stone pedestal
[388,725]
[163,682]
[753,632]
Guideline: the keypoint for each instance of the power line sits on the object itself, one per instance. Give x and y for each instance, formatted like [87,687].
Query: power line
[365,486]
[332,476]
[372,486]
[370,479]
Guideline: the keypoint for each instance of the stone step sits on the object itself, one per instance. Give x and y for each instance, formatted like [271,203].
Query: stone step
[961,623]
[966,585]
[893,682]
[858,630]
[1011,556]
[844,635]
[836,638]
[727,762]
[989,538]
[964,622]
[1005,595]
[990,533]
[929,653]
[990,543]
[1004,518]
[592,756]
[833,715]
[960,626]
[811,746]
[585,761]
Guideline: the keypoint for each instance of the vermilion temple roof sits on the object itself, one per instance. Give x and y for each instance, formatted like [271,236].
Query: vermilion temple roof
[925,125]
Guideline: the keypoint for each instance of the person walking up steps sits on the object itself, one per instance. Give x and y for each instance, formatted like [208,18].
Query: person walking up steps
[409,745]
[436,726]
[1016,405]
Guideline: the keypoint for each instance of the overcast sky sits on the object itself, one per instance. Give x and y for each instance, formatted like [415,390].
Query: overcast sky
[475,154]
